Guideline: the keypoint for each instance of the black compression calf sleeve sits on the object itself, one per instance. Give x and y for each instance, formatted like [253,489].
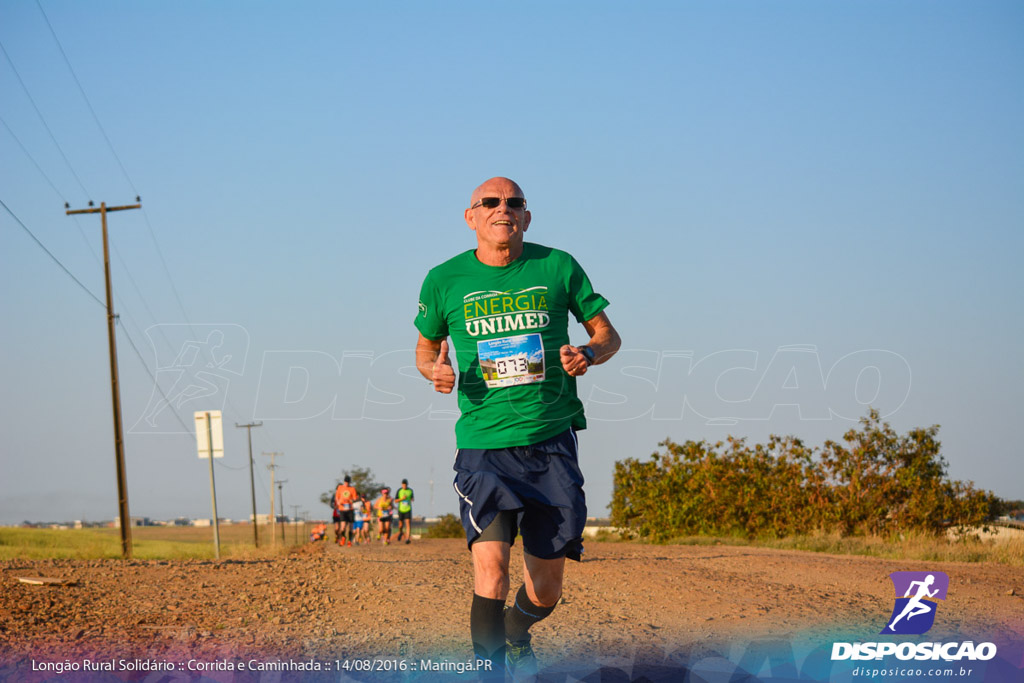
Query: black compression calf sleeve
[522,615]
[487,628]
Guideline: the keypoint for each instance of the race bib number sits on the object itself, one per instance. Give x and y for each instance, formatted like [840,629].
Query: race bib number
[511,361]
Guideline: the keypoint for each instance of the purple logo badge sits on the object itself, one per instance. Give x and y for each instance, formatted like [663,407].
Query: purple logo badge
[917,596]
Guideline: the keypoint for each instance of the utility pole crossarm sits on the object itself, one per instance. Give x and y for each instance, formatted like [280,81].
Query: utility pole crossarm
[102,208]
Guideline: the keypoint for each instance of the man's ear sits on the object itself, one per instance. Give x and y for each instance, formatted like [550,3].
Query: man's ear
[526,223]
[469,220]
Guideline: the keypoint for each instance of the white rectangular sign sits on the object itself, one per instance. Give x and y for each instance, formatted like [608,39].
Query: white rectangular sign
[203,439]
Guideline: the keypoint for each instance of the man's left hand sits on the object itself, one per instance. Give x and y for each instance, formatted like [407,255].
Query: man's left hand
[573,360]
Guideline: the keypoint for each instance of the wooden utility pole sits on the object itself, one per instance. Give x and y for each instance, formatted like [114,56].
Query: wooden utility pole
[280,494]
[295,522]
[122,479]
[273,511]
[252,481]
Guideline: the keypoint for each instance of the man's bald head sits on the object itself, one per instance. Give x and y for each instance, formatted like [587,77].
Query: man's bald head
[496,187]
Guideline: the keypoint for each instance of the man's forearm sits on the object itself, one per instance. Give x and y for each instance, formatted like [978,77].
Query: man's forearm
[426,356]
[605,342]
[425,363]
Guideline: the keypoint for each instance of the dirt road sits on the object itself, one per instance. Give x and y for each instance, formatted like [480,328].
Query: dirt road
[624,604]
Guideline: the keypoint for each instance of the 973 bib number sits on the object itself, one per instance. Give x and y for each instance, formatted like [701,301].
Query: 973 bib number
[511,361]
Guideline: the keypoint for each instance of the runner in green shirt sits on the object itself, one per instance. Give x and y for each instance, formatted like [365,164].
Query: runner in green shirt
[506,307]
[404,498]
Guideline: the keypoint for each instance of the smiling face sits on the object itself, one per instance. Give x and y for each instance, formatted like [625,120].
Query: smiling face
[499,229]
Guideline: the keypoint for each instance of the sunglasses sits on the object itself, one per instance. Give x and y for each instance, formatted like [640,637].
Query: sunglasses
[494,202]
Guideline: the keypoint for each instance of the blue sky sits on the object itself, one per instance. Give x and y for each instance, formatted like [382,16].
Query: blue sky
[797,210]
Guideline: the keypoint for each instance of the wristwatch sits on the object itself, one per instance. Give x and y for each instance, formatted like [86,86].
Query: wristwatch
[588,353]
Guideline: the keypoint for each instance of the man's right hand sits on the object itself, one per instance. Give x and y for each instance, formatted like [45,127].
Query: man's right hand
[444,374]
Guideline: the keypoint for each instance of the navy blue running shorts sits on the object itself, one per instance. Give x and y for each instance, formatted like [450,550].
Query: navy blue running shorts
[542,483]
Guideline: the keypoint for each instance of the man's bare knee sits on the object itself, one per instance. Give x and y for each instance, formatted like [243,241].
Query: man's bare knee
[491,583]
[490,569]
[544,593]
[543,579]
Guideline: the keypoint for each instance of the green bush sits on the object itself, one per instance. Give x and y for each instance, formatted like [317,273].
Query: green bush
[878,483]
[448,526]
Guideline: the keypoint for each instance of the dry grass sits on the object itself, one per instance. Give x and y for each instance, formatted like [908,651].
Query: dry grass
[179,543]
[1004,547]
[152,542]
[148,543]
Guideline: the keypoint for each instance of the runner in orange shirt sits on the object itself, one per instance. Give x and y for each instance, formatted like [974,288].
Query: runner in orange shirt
[344,496]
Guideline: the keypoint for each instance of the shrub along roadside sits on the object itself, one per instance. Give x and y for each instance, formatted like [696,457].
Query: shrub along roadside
[878,483]
[448,526]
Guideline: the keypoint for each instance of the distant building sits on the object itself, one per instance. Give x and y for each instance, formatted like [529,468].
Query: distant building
[206,521]
[267,519]
[135,521]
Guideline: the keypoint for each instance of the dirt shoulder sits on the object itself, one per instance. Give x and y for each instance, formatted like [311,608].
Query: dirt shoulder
[412,601]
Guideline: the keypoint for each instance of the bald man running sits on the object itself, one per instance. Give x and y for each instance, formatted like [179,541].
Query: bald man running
[506,307]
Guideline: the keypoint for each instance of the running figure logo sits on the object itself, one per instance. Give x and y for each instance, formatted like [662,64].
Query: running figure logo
[197,365]
[916,601]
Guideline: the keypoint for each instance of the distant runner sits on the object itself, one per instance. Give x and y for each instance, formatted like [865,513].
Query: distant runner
[404,499]
[359,510]
[336,514]
[383,508]
[344,497]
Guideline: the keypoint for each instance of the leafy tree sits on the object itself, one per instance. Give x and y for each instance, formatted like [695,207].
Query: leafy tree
[1013,508]
[363,479]
[448,526]
[879,482]
[883,482]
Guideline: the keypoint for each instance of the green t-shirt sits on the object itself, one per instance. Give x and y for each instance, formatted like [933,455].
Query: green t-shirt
[507,324]
[404,498]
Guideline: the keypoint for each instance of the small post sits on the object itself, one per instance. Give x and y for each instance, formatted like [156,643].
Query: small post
[213,488]
[210,422]
[280,495]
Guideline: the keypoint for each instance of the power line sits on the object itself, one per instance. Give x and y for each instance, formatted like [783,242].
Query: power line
[43,119]
[32,159]
[113,151]
[124,171]
[81,231]
[131,343]
[167,271]
[50,254]
[145,215]
[85,239]
[84,97]
[39,168]
[57,192]
[138,291]
[228,467]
